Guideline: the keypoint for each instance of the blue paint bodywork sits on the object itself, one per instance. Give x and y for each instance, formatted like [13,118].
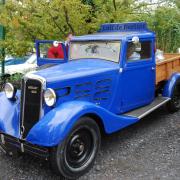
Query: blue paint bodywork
[55,126]
[9,115]
[90,86]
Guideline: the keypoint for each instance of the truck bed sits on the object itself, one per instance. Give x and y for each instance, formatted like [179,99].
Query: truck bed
[165,68]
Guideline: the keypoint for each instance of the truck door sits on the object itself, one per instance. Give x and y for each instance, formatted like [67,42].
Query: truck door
[138,76]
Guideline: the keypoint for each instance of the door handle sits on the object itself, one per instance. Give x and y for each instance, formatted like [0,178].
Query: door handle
[121,70]
[153,68]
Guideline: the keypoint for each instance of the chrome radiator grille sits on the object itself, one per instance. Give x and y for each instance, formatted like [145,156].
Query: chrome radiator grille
[31,104]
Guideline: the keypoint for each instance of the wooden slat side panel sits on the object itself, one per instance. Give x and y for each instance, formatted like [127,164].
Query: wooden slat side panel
[169,69]
[166,68]
[175,68]
[161,73]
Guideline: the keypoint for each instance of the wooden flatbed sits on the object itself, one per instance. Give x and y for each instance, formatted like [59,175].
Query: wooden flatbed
[165,68]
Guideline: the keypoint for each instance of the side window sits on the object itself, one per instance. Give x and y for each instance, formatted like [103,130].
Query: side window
[139,51]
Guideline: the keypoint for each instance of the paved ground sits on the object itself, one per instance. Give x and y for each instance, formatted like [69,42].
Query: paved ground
[147,150]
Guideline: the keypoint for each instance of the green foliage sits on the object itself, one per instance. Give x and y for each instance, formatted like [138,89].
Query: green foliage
[28,20]
[165,21]
[167,28]
[13,79]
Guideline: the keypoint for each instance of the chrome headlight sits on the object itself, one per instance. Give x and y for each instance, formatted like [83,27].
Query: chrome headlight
[50,97]
[9,90]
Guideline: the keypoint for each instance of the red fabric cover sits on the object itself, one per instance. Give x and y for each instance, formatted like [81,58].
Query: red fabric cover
[56,52]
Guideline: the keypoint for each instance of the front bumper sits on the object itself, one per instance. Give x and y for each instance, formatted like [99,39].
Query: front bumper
[11,144]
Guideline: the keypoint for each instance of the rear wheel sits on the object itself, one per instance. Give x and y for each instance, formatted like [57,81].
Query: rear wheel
[76,154]
[174,104]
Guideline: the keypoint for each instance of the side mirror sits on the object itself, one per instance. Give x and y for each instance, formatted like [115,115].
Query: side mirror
[135,40]
[56,43]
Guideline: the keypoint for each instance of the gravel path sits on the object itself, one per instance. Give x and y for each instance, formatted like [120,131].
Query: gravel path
[147,150]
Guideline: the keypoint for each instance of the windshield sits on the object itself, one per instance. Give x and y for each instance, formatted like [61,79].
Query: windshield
[32,59]
[107,50]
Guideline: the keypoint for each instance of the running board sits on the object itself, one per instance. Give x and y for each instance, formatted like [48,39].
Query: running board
[145,110]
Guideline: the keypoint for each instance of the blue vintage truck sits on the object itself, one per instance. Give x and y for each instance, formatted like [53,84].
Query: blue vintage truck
[106,82]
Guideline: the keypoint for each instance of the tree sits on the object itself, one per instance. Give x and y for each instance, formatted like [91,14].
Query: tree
[28,20]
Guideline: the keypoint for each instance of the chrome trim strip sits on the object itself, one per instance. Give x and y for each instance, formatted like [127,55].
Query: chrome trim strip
[35,77]
[152,109]
[22,113]
[22,147]
[43,83]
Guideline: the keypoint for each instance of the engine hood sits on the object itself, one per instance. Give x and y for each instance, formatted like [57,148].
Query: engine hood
[75,69]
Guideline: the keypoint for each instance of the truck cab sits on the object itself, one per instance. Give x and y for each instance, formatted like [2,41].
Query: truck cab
[106,82]
[113,46]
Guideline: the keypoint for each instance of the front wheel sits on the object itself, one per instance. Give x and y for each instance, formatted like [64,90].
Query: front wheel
[76,154]
[174,104]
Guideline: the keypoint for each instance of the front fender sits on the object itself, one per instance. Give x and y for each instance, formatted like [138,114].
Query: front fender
[169,86]
[56,124]
[9,115]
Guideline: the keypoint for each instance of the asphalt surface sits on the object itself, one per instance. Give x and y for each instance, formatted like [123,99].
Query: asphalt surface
[147,150]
